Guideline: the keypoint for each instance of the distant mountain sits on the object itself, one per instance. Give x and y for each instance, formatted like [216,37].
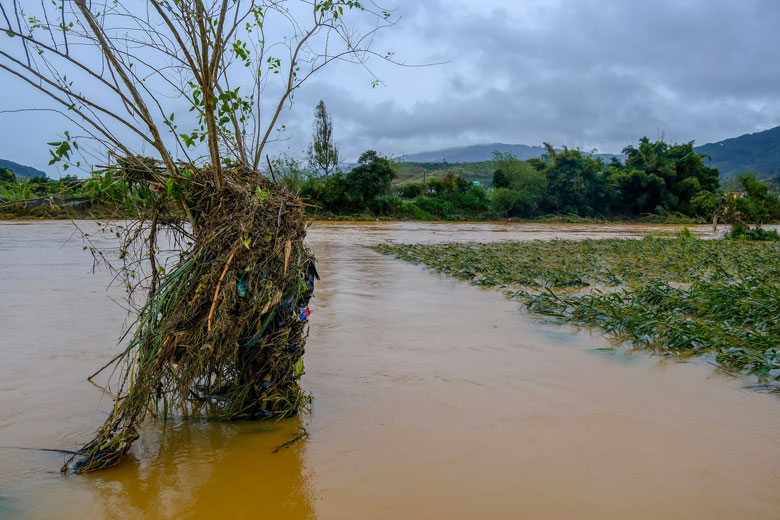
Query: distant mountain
[474,153]
[21,170]
[758,152]
[482,152]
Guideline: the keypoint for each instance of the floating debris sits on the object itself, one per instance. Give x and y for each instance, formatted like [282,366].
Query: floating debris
[302,434]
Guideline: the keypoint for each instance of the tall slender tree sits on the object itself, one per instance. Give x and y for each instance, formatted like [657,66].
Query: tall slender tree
[323,153]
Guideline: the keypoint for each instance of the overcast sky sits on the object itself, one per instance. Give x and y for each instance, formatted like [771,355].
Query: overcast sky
[583,73]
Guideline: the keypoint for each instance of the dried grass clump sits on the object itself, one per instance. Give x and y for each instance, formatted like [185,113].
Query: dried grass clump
[221,333]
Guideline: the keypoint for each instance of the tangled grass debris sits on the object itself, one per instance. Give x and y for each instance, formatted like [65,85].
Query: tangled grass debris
[677,296]
[222,331]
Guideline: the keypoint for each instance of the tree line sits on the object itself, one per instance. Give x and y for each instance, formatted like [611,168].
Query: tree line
[657,181]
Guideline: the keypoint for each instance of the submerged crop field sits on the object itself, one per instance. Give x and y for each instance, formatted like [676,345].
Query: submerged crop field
[676,296]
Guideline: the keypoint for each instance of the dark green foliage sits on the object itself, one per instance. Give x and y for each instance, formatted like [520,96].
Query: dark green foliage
[357,191]
[436,206]
[434,186]
[576,183]
[474,200]
[454,183]
[452,197]
[410,191]
[388,205]
[705,203]
[756,204]
[500,179]
[70,181]
[520,187]
[659,181]
[370,179]
[659,175]
[740,231]
[7,175]
[512,203]
[679,296]
[39,179]
[330,194]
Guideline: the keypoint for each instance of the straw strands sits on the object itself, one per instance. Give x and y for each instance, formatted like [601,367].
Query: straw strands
[222,331]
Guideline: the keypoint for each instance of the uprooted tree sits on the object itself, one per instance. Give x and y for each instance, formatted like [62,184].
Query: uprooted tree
[215,266]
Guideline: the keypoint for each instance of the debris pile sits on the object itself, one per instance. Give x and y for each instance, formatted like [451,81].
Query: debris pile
[222,331]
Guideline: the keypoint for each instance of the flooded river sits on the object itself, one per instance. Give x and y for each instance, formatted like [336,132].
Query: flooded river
[432,399]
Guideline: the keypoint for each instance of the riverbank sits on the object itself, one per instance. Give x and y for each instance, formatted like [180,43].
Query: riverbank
[107,212]
[83,210]
[550,219]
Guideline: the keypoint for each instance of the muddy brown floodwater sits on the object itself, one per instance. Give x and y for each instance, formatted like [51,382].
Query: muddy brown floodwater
[432,399]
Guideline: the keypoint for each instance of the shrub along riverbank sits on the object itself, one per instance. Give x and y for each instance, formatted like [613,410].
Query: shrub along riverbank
[674,296]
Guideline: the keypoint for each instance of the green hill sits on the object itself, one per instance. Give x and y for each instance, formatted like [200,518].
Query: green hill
[480,153]
[21,170]
[758,152]
[416,172]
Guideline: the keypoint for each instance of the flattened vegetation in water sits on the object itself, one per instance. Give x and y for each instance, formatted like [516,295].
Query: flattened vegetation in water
[679,296]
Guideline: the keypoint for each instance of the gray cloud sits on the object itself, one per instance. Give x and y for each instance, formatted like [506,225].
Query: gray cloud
[587,73]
